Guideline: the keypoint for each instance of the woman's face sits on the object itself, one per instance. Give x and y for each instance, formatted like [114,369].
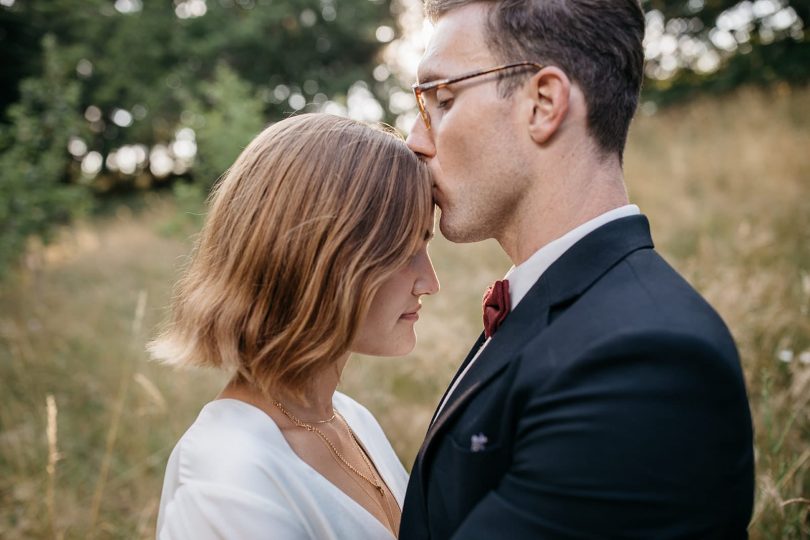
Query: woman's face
[388,328]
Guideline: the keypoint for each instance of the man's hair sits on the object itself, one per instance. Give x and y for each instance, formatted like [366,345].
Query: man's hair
[302,230]
[597,43]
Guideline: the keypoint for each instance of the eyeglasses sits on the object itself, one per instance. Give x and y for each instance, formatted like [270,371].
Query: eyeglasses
[419,90]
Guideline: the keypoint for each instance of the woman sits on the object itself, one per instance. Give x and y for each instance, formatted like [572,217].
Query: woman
[315,247]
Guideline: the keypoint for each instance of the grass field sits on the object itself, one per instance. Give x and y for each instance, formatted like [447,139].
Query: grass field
[86,423]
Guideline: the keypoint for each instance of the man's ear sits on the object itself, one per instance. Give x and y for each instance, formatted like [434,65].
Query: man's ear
[550,92]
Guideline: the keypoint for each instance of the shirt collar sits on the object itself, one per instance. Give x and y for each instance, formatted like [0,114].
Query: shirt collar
[522,277]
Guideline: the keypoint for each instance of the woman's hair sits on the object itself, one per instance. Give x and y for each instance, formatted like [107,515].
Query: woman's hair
[312,217]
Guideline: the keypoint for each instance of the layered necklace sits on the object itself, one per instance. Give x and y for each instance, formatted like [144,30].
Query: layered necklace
[375,481]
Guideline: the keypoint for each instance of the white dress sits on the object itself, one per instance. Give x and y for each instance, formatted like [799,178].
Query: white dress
[234,476]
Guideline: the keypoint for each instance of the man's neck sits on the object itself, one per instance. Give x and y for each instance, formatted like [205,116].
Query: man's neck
[585,193]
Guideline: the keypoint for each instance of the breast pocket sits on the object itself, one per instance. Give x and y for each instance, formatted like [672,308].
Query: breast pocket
[474,452]
[469,465]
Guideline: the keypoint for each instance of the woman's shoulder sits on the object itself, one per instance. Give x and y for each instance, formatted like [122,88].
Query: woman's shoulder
[230,472]
[230,442]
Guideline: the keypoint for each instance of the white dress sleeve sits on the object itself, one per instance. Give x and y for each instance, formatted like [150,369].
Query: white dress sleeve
[203,511]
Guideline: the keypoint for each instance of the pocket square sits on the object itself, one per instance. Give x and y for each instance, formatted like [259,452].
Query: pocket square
[478,442]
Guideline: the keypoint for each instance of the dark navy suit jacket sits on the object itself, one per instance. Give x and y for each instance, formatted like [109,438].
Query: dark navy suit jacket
[609,404]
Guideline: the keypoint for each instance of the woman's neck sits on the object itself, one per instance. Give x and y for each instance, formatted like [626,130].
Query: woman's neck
[316,406]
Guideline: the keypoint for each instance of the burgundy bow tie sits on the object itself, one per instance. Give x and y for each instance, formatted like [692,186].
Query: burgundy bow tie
[496,306]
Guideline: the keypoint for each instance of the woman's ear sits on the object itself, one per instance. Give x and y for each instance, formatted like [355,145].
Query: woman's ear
[550,92]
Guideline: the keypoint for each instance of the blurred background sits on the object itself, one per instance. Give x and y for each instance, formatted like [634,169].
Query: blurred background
[116,116]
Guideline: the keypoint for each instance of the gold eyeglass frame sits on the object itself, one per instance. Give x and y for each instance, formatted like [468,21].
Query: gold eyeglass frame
[419,89]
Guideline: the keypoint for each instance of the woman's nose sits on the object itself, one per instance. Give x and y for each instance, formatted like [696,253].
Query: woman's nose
[426,282]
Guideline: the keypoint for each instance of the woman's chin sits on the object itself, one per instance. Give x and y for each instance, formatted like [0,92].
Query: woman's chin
[401,347]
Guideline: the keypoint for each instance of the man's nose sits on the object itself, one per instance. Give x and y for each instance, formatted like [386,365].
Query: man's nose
[420,139]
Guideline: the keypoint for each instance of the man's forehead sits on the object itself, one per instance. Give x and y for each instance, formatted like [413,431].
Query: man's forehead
[456,45]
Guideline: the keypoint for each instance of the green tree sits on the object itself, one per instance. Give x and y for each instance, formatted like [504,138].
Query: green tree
[224,120]
[133,72]
[140,55]
[714,46]
[34,161]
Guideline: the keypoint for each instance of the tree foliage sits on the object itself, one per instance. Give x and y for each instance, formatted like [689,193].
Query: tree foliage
[132,73]
[142,56]
[226,117]
[34,195]
[697,46]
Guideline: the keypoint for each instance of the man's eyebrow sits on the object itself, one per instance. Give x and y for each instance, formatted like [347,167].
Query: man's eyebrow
[428,75]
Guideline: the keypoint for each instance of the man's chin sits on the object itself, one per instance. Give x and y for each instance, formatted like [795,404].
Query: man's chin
[459,233]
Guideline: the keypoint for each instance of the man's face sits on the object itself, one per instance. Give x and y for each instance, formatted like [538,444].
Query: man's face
[471,147]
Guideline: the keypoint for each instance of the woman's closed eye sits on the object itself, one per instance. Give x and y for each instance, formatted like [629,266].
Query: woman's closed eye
[423,249]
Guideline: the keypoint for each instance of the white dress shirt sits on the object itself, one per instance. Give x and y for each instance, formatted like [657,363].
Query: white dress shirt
[524,276]
[234,476]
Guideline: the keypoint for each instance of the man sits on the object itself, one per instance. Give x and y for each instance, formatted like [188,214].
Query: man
[605,398]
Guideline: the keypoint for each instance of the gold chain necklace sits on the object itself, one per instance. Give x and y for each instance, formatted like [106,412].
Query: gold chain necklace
[312,428]
[385,507]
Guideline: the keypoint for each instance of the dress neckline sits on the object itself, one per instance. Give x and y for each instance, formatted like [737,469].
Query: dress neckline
[349,417]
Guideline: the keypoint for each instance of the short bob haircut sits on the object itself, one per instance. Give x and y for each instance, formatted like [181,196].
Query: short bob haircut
[301,232]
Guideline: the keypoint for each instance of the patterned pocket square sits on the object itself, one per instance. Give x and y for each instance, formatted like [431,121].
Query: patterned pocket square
[478,443]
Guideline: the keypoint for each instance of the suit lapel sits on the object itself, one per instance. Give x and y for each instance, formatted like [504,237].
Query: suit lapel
[576,270]
[470,355]
[526,321]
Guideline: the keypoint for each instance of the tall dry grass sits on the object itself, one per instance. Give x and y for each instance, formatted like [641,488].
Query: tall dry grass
[86,423]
